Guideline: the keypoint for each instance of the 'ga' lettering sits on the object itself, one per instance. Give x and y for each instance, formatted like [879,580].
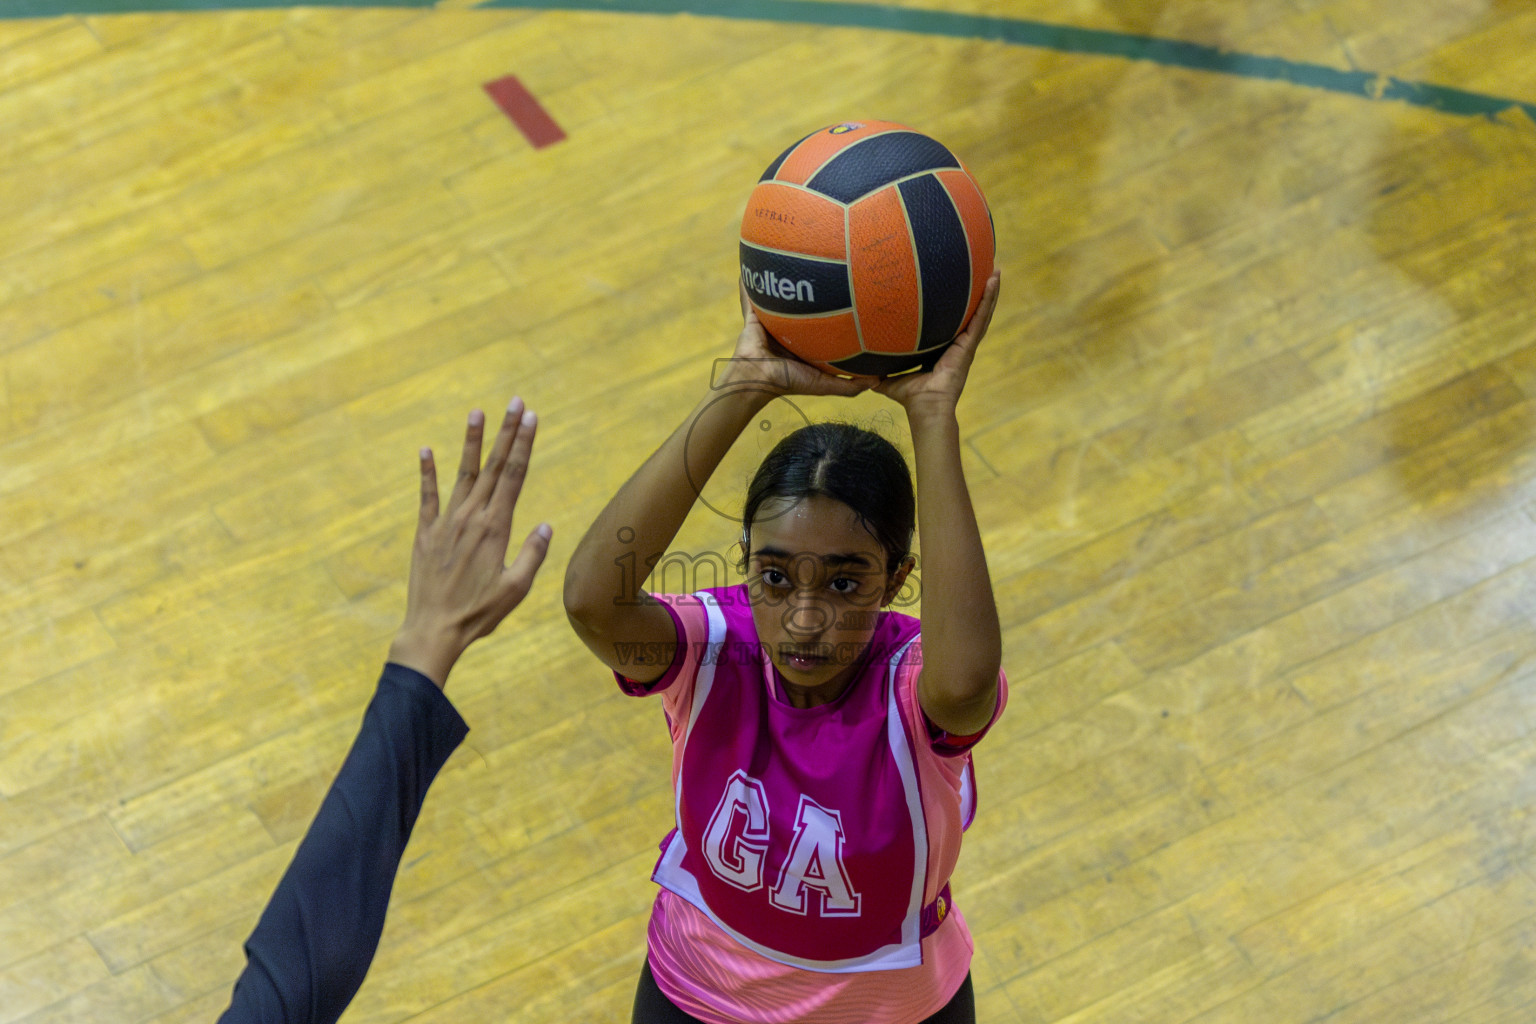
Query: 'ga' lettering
[736,844]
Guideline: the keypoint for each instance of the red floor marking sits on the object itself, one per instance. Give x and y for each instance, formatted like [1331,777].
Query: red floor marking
[531,119]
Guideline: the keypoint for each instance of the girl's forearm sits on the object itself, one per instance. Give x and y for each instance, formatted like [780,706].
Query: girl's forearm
[962,641]
[638,524]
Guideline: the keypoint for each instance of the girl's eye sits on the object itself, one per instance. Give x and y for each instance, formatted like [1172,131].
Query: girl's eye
[774,578]
[845,585]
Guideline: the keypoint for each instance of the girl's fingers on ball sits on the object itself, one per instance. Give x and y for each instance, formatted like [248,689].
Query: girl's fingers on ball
[989,296]
[862,384]
[982,318]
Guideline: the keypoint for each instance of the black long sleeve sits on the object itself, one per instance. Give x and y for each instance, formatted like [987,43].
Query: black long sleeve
[317,936]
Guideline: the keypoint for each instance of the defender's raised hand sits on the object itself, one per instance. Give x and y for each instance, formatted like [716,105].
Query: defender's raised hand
[461,587]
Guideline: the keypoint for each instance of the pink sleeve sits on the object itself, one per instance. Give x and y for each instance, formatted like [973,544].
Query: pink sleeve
[944,744]
[691,622]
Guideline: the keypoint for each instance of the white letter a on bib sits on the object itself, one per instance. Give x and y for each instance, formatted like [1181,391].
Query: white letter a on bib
[816,861]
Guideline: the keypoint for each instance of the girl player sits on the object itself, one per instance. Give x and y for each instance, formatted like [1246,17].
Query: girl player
[821,747]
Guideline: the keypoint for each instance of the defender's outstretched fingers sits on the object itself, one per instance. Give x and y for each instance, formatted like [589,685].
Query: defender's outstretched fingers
[509,482]
[510,423]
[428,513]
[469,459]
[518,577]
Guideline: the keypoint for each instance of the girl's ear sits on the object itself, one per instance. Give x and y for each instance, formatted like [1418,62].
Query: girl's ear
[897,580]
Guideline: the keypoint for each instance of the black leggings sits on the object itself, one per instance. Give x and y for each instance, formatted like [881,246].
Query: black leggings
[653,1007]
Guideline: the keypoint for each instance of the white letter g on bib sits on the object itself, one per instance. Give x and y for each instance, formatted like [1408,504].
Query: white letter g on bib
[737,857]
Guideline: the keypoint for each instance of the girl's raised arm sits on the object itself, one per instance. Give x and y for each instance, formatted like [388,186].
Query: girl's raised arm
[962,641]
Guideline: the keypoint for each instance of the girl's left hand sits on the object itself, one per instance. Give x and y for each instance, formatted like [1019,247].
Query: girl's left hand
[939,389]
[763,362]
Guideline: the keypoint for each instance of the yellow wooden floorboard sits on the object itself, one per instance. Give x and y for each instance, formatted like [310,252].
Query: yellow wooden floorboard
[508,943]
[1176,992]
[48,976]
[40,48]
[207,1006]
[77,298]
[127,941]
[134,993]
[541,991]
[1253,891]
[61,860]
[1337,737]
[126,883]
[194,969]
[1420,941]
[123,84]
[269,769]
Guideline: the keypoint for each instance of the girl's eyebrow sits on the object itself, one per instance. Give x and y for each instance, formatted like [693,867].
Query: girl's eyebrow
[829,560]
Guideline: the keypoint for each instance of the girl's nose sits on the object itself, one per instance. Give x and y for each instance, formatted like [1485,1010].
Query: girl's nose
[806,616]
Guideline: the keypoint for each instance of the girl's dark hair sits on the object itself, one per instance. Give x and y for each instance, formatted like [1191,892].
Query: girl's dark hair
[849,464]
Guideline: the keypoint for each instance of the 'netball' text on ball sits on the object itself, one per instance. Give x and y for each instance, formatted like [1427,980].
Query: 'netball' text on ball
[771,284]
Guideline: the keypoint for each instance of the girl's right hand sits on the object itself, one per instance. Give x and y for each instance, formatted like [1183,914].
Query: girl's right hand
[761,361]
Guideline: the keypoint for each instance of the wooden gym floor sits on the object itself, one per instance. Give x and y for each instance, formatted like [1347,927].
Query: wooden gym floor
[1252,443]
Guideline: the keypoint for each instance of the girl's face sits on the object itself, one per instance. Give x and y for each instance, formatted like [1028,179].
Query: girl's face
[817,580]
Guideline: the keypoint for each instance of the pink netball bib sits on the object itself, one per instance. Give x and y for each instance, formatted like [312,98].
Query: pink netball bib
[800,831]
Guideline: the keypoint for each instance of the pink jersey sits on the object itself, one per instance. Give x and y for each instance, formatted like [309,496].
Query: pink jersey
[807,875]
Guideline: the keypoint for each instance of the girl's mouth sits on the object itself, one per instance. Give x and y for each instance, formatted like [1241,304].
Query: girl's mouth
[803,659]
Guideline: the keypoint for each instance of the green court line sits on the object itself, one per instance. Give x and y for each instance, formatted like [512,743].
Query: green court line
[1038,34]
